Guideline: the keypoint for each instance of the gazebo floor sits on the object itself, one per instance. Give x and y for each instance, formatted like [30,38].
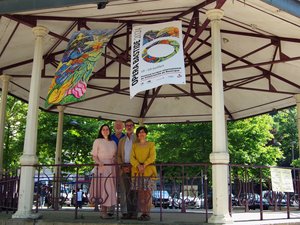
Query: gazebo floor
[88,217]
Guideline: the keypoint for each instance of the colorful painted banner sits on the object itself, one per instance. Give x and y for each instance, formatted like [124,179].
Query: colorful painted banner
[156,56]
[72,74]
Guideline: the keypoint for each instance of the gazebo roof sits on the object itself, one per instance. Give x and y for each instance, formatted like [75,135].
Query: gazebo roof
[260,54]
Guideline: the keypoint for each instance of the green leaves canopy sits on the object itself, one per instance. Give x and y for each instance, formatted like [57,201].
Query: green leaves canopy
[261,140]
[248,142]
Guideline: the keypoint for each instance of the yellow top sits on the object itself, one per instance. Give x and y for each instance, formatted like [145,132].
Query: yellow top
[143,154]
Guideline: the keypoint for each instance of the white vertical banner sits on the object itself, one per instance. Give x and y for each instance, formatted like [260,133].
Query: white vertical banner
[156,56]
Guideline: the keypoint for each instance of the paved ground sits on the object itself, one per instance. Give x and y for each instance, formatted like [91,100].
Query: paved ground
[88,217]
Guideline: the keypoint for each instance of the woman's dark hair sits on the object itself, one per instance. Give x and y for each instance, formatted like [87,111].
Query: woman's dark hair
[138,130]
[100,134]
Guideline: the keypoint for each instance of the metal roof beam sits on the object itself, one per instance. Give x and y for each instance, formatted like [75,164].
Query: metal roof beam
[144,105]
[14,6]
[9,39]
[32,23]
[154,95]
[27,61]
[191,94]
[201,5]
[57,43]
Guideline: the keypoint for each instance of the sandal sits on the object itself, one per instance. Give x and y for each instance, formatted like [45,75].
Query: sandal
[125,216]
[133,217]
[105,216]
[144,217]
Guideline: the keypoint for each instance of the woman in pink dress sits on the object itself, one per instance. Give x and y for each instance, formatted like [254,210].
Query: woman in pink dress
[103,185]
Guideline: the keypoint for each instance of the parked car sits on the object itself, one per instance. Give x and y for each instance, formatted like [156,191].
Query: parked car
[294,199]
[273,197]
[177,201]
[200,201]
[253,200]
[234,200]
[161,196]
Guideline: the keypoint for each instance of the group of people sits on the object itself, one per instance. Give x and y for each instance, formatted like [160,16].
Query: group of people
[135,172]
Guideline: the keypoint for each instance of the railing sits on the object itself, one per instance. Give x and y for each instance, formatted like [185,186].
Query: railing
[180,188]
[9,191]
[251,187]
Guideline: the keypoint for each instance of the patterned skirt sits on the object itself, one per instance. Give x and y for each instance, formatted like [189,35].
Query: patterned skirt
[143,183]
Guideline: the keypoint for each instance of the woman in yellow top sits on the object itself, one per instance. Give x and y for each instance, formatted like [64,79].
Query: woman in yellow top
[143,173]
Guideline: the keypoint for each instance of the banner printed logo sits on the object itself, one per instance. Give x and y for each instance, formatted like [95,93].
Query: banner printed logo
[152,35]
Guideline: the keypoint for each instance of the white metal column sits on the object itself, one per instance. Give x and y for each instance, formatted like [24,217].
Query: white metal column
[59,136]
[29,152]
[219,156]
[58,151]
[5,81]
[141,121]
[297,97]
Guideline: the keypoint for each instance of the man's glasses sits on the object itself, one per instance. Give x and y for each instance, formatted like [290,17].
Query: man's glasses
[129,125]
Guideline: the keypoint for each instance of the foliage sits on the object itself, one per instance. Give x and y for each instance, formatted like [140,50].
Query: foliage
[261,140]
[182,142]
[286,134]
[78,136]
[14,132]
[296,163]
[248,142]
[178,143]
[256,140]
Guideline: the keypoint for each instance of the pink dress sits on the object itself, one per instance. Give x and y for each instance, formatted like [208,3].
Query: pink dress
[103,185]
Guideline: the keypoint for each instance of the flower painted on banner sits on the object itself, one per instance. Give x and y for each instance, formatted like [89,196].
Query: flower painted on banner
[97,46]
[58,94]
[78,90]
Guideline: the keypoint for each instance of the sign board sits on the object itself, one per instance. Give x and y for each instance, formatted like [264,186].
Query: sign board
[282,180]
[191,190]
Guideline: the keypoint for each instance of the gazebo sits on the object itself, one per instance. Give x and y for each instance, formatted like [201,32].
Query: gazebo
[241,59]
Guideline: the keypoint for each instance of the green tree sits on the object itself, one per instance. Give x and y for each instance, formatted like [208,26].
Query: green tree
[78,136]
[286,134]
[248,142]
[182,142]
[15,122]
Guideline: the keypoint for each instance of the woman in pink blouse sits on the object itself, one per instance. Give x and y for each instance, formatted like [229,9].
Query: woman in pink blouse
[103,185]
